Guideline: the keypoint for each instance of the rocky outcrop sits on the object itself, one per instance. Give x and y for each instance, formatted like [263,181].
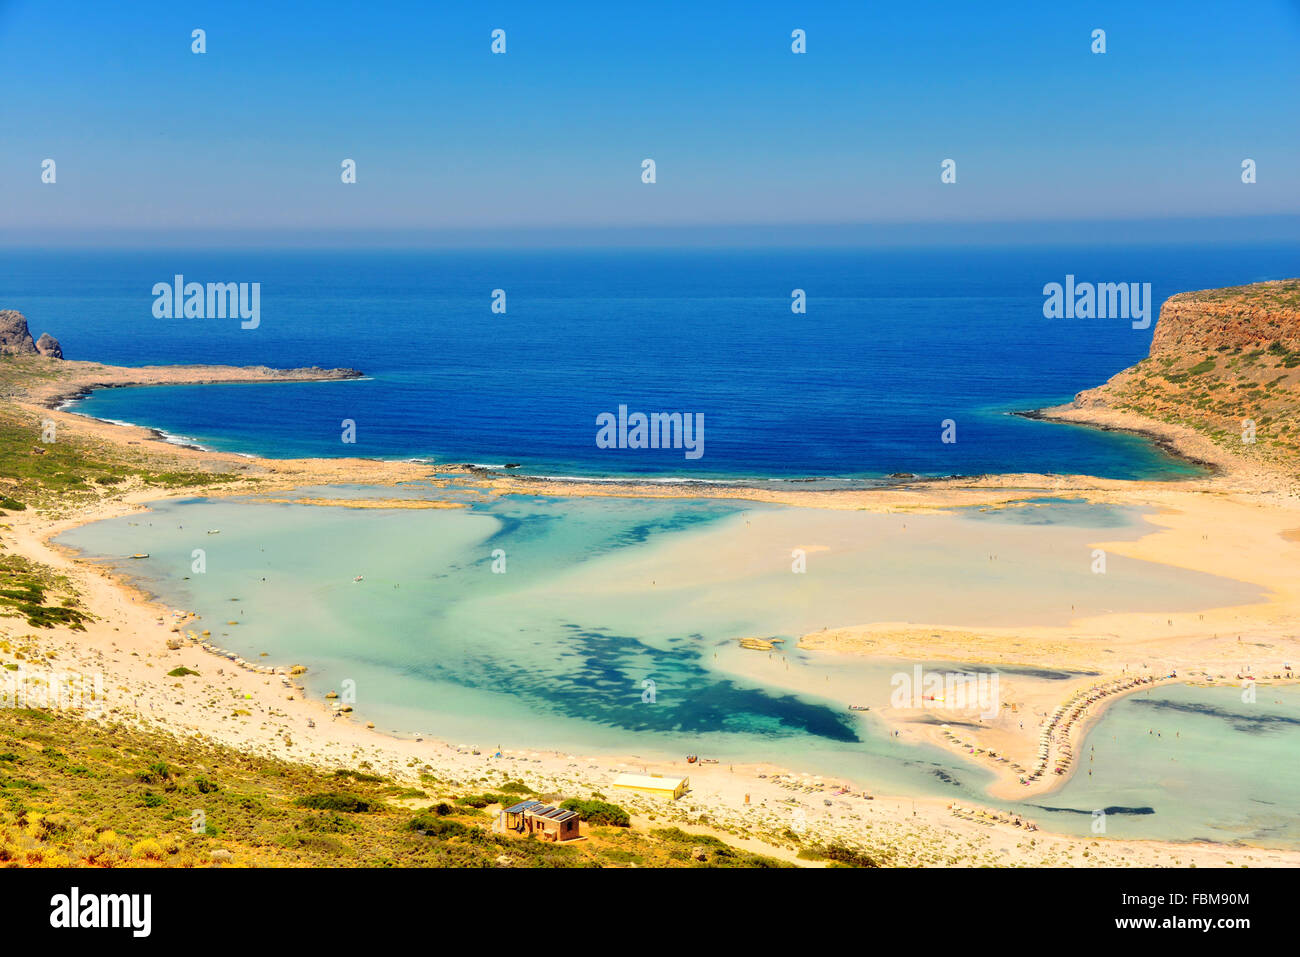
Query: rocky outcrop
[16,340]
[47,345]
[1245,317]
[1204,336]
[1221,384]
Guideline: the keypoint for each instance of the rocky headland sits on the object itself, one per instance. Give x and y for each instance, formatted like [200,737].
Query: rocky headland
[1221,383]
[16,338]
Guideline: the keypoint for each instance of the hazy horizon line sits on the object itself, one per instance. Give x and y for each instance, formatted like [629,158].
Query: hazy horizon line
[1280,227]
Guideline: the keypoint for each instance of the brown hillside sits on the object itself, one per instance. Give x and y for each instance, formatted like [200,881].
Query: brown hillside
[1221,361]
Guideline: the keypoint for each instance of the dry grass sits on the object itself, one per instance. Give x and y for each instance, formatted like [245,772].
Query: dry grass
[75,793]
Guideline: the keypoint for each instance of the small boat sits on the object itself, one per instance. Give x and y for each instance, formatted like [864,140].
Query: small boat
[858,707]
[214,531]
[708,760]
[140,555]
[692,758]
[358,578]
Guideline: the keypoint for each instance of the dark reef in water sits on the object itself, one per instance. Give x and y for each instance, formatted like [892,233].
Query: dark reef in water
[605,682]
[1247,723]
[1113,809]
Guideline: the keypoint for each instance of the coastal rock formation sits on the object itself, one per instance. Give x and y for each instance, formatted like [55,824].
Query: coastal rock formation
[1246,317]
[47,345]
[1250,330]
[16,339]
[1224,368]
[76,379]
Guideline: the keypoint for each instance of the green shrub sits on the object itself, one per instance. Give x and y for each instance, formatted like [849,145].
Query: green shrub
[847,855]
[359,776]
[433,826]
[516,787]
[327,823]
[156,773]
[598,812]
[337,801]
[483,800]
[313,842]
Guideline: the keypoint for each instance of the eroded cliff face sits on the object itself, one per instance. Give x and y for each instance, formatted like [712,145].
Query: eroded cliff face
[1226,363]
[1211,320]
[16,339]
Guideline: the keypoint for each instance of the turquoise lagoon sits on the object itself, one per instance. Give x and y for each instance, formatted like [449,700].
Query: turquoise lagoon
[600,596]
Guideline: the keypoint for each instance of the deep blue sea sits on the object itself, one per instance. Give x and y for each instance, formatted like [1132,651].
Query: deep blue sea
[893,343]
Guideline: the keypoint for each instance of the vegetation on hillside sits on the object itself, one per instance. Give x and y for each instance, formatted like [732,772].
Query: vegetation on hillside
[35,472]
[1265,295]
[75,792]
[1245,399]
[1221,396]
[35,593]
[598,812]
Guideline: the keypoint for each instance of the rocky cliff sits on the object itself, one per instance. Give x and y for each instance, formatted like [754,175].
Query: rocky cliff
[16,339]
[1221,319]
[47,345]
[1224,363]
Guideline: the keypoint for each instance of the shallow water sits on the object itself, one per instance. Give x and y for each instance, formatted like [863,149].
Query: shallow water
[600,596]
[1183,762]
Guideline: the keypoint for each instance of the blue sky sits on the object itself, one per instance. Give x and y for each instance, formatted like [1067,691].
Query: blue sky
[250,136]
